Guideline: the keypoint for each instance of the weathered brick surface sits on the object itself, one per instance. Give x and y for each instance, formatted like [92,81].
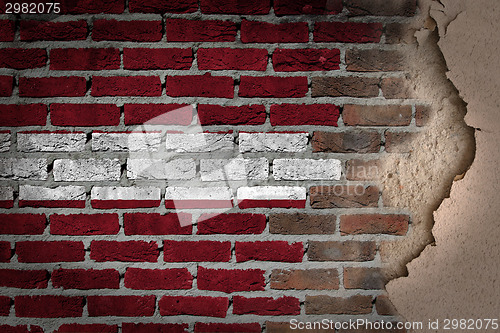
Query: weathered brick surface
[341,251]
[299,224]
[322,279]
[201,166]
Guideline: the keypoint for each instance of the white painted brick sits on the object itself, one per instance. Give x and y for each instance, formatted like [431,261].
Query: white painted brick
[306,169]
[198,193]
[4,141]
[86,170]
[6,193]
[273,142]
[234,169]
[199,142]
[50,142]
[132,141]
[271,193]
[161,169]
[38,193]
[124,193]
[23,168]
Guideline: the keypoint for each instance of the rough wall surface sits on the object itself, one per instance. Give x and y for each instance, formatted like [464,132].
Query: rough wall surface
[221,166]
[463,264]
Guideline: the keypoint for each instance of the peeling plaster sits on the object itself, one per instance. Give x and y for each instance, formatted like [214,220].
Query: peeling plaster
[458,275]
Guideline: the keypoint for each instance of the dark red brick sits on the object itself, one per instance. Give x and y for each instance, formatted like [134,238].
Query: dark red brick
[157,58]
[422,115]
[182,30]
[7,30]
[301,224]
[200,86]
[161,6]
[343,196]
[345,86]
[377,115]
[6,85]
[231,224]
[228,328]
[84,224]
[5,304]
[347,32]
[93,6]
[49,306]
[236,59]
[151,279]
[53,31]
[269,251]
[157,224]
[346,142]
[242,7]
[269,86]
[391,224]
[20,328]
[231,115]
[87,328]
[341,251]
[18,58]
[121,306]
[158,114]
[127,31]
[5,251]
[316,279]
[308,7]
[384,306]
[86,279]
[197,251]
[90,59]
[24,279]
[22,224]
[354,305]
[292,60]
[230,280]
[302,114]
[266,306]
[40,251]
[374,60]
[194,306]
[128,251]
[363,278]
[52,86]
[381,7]
[157,328]
[23,115]
[126,86]
[84,114]
[263,32]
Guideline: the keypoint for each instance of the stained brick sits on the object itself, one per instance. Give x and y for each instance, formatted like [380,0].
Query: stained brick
[341,251]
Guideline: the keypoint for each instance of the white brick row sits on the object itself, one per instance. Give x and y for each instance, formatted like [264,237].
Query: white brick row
[126,141]
[86,170]
[4,141]
[306,169]
[161,169]
[6,193]
[199,142]
[198,197]
[40,193]
[271,193]
[272,142]
[234,169]
[50,142]
[124,193]
[23,168]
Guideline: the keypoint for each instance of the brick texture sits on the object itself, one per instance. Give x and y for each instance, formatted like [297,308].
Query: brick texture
[202,165]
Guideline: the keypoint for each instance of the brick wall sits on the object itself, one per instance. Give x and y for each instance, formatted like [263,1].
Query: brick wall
[206,166]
